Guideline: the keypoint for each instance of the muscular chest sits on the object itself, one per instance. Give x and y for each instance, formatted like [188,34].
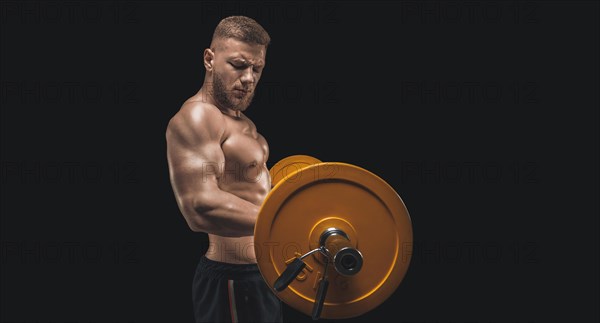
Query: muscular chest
[243,147]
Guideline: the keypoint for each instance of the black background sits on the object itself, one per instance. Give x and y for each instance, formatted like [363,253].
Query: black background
[483,116]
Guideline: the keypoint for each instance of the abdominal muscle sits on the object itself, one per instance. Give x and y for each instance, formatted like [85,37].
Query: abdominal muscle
[238,250]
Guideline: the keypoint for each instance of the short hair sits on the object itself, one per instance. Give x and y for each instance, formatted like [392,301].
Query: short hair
[243,29]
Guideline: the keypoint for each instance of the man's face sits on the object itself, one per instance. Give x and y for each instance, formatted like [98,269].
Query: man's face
[237,67]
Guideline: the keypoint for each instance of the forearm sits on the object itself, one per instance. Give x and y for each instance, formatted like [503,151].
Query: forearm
[221,213]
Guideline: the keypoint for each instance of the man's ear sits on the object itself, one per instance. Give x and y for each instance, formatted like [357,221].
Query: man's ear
[209,57]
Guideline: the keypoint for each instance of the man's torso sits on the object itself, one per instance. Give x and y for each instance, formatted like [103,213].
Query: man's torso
[245,175]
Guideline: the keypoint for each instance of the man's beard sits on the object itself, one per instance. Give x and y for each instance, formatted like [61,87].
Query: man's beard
[224,98]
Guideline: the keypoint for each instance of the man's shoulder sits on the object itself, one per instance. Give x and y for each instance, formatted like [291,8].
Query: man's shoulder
[198,117]
[196,113]
[199,111]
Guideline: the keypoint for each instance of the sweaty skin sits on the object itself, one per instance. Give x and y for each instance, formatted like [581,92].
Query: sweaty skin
[217,159]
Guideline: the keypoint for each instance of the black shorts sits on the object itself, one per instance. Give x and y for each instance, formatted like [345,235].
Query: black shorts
[224,292]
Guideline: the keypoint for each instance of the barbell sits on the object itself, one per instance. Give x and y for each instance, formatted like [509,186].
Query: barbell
[332,240]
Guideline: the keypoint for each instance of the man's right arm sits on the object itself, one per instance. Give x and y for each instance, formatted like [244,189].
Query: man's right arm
[196,161]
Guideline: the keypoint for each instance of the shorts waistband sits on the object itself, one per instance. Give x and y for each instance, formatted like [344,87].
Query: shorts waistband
[223,270]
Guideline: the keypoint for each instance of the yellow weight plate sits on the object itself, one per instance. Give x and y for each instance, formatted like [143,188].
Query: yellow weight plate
[290,165]
[346,197]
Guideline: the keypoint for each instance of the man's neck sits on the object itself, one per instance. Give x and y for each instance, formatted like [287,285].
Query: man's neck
[205,96]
